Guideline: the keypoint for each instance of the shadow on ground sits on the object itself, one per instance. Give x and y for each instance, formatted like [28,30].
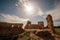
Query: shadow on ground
[45,35]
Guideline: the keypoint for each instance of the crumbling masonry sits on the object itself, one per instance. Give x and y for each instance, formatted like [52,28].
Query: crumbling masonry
[40,24]
[8,29]
[50,24]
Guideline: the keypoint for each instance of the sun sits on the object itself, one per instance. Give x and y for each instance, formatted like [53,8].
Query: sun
[28,9]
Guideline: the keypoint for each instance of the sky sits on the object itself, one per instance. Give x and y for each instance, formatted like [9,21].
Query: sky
[20,11]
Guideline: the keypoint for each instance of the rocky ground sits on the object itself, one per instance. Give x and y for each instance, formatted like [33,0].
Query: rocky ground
[32,36]
[39,36]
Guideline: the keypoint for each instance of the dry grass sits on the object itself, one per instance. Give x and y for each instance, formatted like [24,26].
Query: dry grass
[57,31]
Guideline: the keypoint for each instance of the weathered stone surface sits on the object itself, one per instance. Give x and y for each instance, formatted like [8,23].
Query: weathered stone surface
[28,25]
[50,24]
[10,29]
[40,25]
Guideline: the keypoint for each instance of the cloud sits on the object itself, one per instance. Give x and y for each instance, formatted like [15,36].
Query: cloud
[12,18]
[55,14]
[53,9]
[57,23]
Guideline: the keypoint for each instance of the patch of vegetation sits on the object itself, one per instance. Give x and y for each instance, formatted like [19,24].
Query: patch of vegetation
[27,33]
[57,31]
[34,31]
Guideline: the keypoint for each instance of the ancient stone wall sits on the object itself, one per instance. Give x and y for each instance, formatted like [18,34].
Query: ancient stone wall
[28,25]
[9,29]
[41,25]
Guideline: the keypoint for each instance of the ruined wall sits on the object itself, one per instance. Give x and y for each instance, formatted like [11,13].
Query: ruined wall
[41,25]
[50,24]
[10,29]
[28,25]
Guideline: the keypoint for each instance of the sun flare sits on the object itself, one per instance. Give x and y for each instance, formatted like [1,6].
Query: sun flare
[28,9]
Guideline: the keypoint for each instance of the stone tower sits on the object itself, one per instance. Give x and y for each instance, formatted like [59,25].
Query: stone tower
[50,23]
[41,24]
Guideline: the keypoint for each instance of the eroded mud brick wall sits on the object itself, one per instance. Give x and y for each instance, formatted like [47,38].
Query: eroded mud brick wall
[50,23]
[28,25]
[10,29]
[41,24]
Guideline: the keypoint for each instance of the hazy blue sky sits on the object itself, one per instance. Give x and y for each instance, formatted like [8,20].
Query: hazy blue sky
[13,11]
